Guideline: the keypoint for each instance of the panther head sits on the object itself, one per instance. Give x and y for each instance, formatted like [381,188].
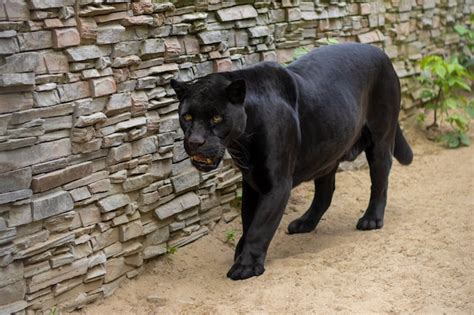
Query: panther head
[212,116]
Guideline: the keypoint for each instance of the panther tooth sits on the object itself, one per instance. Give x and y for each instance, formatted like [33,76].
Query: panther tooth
[208,161]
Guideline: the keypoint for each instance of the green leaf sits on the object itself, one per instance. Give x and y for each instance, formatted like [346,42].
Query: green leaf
[300,51]
[461,29]
[464,138]
[431,105]
[421,118]
[470,111]
[451,139]
[440,71]
[427,94]
[459,121]
[463,85]
[450,103]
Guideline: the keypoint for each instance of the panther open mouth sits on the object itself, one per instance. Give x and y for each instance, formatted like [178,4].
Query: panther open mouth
[204,163]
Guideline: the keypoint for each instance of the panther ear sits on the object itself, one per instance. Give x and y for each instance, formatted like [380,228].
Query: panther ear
[236,91]
[179,87]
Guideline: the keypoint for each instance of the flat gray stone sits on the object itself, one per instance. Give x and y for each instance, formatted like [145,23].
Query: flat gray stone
[157,237]
[213,37]
[90,120]
[137,182]
[259,31]
[240,12]
[47,151]
[169,124]
[35,40]
[20,215]
[51,204]
[7,235]
[185,181]
[15,180]
[60,177]
[153,251]
[177,205]
[110,34]
[53,276]
[11,273]
[179,153]
[13,307]
[17,79]
[132,123]
[115,267]
[87,52]
[15,195]
[119,154]
[160,169]
[42,247]
[130,230]
[152,46]
[48,4]
[8,46]
[74,91]
[127,48]
[119,102]
[144,146]
[46,98]
[191,238]
[113,202]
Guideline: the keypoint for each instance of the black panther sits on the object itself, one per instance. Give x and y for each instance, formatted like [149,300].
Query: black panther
[283,126]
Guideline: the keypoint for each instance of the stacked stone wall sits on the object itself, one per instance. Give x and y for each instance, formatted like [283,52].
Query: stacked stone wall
[94,180]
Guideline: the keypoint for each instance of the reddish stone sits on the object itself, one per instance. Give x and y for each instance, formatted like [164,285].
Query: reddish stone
[191,45]
[87,28]
[53,23]
[144,7]
[66,37]
[172,47]
[14,102]
[54,179]
[222,65]
[56,63]
[103,86]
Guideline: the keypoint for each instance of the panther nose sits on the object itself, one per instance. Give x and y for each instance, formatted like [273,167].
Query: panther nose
[195,141]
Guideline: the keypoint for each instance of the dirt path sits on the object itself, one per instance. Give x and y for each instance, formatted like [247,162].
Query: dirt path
[420,262]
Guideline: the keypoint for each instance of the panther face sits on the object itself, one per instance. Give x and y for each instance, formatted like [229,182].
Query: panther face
[212,116]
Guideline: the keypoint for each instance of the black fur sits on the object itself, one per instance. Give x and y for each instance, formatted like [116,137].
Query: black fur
[284,126]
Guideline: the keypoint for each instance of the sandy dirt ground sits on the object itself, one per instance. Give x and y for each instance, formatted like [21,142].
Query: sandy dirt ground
[420,262]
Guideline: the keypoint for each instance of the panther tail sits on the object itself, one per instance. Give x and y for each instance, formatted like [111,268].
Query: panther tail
[402,151]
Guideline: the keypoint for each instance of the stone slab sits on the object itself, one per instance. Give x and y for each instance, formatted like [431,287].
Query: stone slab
[57,178]
[53,276]
[51,204]
[177,205]
[113,202]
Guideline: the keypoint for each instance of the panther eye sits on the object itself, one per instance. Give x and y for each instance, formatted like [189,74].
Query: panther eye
[187,117]
[216,119]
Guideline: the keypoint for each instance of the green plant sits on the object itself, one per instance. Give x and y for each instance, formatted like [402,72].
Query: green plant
[237,202]
[443,81]
[54,311]
[466,32]
[230,236]
[328,41]
[171,249]
[299,52]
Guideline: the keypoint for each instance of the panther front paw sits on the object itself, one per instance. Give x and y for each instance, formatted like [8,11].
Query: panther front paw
[241,272]
[301,226]
[369,223]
